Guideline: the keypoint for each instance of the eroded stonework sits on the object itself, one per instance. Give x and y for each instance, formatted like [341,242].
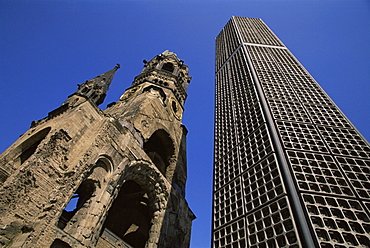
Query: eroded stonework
[124,168]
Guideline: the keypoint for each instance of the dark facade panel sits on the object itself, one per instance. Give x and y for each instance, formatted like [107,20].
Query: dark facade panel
[290,167]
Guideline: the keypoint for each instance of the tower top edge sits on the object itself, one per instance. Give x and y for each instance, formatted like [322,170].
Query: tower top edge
[246,17]
[168,53]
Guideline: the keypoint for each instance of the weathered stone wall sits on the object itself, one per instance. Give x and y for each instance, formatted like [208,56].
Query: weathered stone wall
[96,155]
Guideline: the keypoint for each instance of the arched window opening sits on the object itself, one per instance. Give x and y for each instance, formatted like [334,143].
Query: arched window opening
[102,166]
[160,148]
[85,90]
[29,151]
[78,200]
[156,91]
[59,244]
[30,145]
[86,192]
[168,67]
[129,217]
[174,106]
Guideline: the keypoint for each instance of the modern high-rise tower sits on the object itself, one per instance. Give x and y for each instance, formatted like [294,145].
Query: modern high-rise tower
[290,169]
[83,177]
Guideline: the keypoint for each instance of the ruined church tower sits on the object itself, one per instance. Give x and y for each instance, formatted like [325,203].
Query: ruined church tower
[83,177]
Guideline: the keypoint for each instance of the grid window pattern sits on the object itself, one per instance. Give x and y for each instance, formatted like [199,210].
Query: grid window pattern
[231,236]
[318,173]
[313,96]
[227,168]
[269,77]
[254,148]
[358,173]
[248,113]
[345,142]
[327,116]
[223,103]
[287,63]
[367,204]
[258,53]
[272,226]
[253,30]
[300,137]
[226,43]
[262,183]
[288,111]
[279,91]
[338,222]
[283,56]
[291,68]
[224,142]
[270,70]
[244,94]
[228,203]
[301,81]
[220,49]
[269,110]
[270,66]
[225,132]
[249,121]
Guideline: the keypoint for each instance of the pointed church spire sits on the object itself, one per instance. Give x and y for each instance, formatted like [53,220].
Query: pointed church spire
[96,89]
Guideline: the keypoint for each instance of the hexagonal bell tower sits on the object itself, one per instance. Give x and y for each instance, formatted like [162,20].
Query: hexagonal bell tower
[112,178]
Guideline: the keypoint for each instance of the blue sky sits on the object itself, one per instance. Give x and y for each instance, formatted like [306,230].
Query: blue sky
[48,47]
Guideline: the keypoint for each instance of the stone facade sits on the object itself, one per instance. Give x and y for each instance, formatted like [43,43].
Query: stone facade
[124,167]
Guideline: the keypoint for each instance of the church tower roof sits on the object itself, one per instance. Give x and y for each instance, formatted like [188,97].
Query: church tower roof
[96,89]
[168,71]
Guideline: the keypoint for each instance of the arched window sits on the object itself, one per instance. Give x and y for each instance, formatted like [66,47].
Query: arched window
[85,90]
[160,149]
[85,193]
[157,91]
[168,67]
[129,217]
[59,244]
[78,200]
[30,145]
